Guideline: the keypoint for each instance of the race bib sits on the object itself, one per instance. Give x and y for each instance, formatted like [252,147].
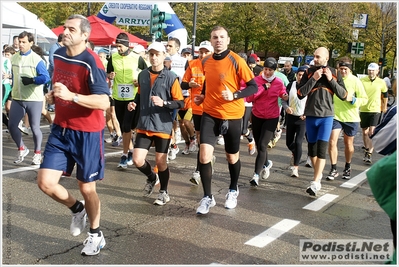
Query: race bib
[125,90]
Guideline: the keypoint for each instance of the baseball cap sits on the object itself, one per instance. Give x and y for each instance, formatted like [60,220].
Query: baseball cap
[157,46]
[251,60]
[186,50]
[138,49]
[207,45]
[373,66]
[302,68]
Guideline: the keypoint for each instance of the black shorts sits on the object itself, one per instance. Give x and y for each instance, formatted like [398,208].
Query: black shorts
[197,122]
[211,128]
[144,141]
[368,119]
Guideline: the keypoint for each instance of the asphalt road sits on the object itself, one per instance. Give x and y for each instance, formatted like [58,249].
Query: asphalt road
[265,228]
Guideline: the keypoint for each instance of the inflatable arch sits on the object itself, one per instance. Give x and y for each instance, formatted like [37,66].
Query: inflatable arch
[139,13]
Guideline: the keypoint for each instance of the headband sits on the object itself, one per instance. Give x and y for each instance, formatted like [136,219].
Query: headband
[345,64]
[122,41]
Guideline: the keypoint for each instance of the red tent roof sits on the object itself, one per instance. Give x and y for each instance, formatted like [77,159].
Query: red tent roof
[104,33]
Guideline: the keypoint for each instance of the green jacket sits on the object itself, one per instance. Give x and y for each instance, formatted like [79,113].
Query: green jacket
[382,180]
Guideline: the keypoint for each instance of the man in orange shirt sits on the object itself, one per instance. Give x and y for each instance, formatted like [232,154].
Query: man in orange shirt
[223,107]
[194,79]
[159,93]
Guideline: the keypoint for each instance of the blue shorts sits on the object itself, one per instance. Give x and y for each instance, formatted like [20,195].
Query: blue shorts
[318,129]
[350,128]
[65,147]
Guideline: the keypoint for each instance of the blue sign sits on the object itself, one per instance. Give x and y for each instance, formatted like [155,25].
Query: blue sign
[299,59]
[308,59]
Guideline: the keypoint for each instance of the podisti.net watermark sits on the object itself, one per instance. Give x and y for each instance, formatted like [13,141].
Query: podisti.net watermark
[333,250]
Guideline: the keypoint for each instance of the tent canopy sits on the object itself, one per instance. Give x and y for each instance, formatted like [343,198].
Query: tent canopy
[104,33]
[16,19]
[15,16]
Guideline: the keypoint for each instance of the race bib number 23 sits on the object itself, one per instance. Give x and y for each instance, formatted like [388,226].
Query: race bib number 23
[125,90]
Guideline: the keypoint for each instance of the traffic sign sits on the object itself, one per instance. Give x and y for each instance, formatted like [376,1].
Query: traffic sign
[357,48]
[308,59]
[299,59]
[335,53]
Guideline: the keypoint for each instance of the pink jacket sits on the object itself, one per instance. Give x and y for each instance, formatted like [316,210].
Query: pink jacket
[265,102]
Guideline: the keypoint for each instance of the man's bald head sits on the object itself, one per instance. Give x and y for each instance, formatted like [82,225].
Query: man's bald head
[321,56]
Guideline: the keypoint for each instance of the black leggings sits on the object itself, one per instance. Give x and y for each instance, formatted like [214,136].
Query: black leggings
[245,120]
[295,132]
[124,116]
[263,131]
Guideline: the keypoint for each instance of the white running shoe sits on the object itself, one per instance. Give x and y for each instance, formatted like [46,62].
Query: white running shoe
[186,151]
[78,221]
[251,148]
[162,199]
[172,153]
[93,244]
[21,155]
[220,140]
[205,204]
[196,178]
[231,199]
[193,146]
[265,173]
[149,186]
[309,163]
[255,180]
[314,188]
[129,158]
[294,172]
[37,159]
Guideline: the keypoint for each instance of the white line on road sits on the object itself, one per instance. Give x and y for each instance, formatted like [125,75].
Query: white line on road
[355,181]
[22,169]
[272,233]
[320,202]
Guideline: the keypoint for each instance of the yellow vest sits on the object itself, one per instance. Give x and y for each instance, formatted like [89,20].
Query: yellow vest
[25,66]
[127,70]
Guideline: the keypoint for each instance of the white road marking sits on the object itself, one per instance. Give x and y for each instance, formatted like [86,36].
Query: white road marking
[320,202]
[22,169]
[355,181]
[272,233]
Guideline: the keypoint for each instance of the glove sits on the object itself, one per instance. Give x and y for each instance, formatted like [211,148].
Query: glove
[27,80]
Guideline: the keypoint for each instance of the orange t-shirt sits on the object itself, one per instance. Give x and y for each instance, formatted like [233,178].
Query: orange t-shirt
[176,94]
[221,73]
[195,71]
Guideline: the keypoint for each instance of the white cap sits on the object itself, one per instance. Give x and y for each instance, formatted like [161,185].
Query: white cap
[157,46]
[207,45]
[373,66]
[138,49]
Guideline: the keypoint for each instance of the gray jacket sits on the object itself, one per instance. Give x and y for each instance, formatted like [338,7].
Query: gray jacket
[153,118]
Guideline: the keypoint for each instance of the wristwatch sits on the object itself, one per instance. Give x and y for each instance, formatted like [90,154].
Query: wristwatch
[165,103]
[75,98]
[235,95]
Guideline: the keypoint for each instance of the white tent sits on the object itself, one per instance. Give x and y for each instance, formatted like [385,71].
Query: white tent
[15,19]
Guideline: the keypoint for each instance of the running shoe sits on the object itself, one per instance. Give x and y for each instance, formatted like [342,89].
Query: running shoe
[78,221]
[21,155]
[162,199]
[206,203]
[93,244]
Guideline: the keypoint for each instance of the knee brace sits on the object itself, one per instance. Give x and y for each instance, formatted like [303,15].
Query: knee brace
[321,149]
[312,149]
